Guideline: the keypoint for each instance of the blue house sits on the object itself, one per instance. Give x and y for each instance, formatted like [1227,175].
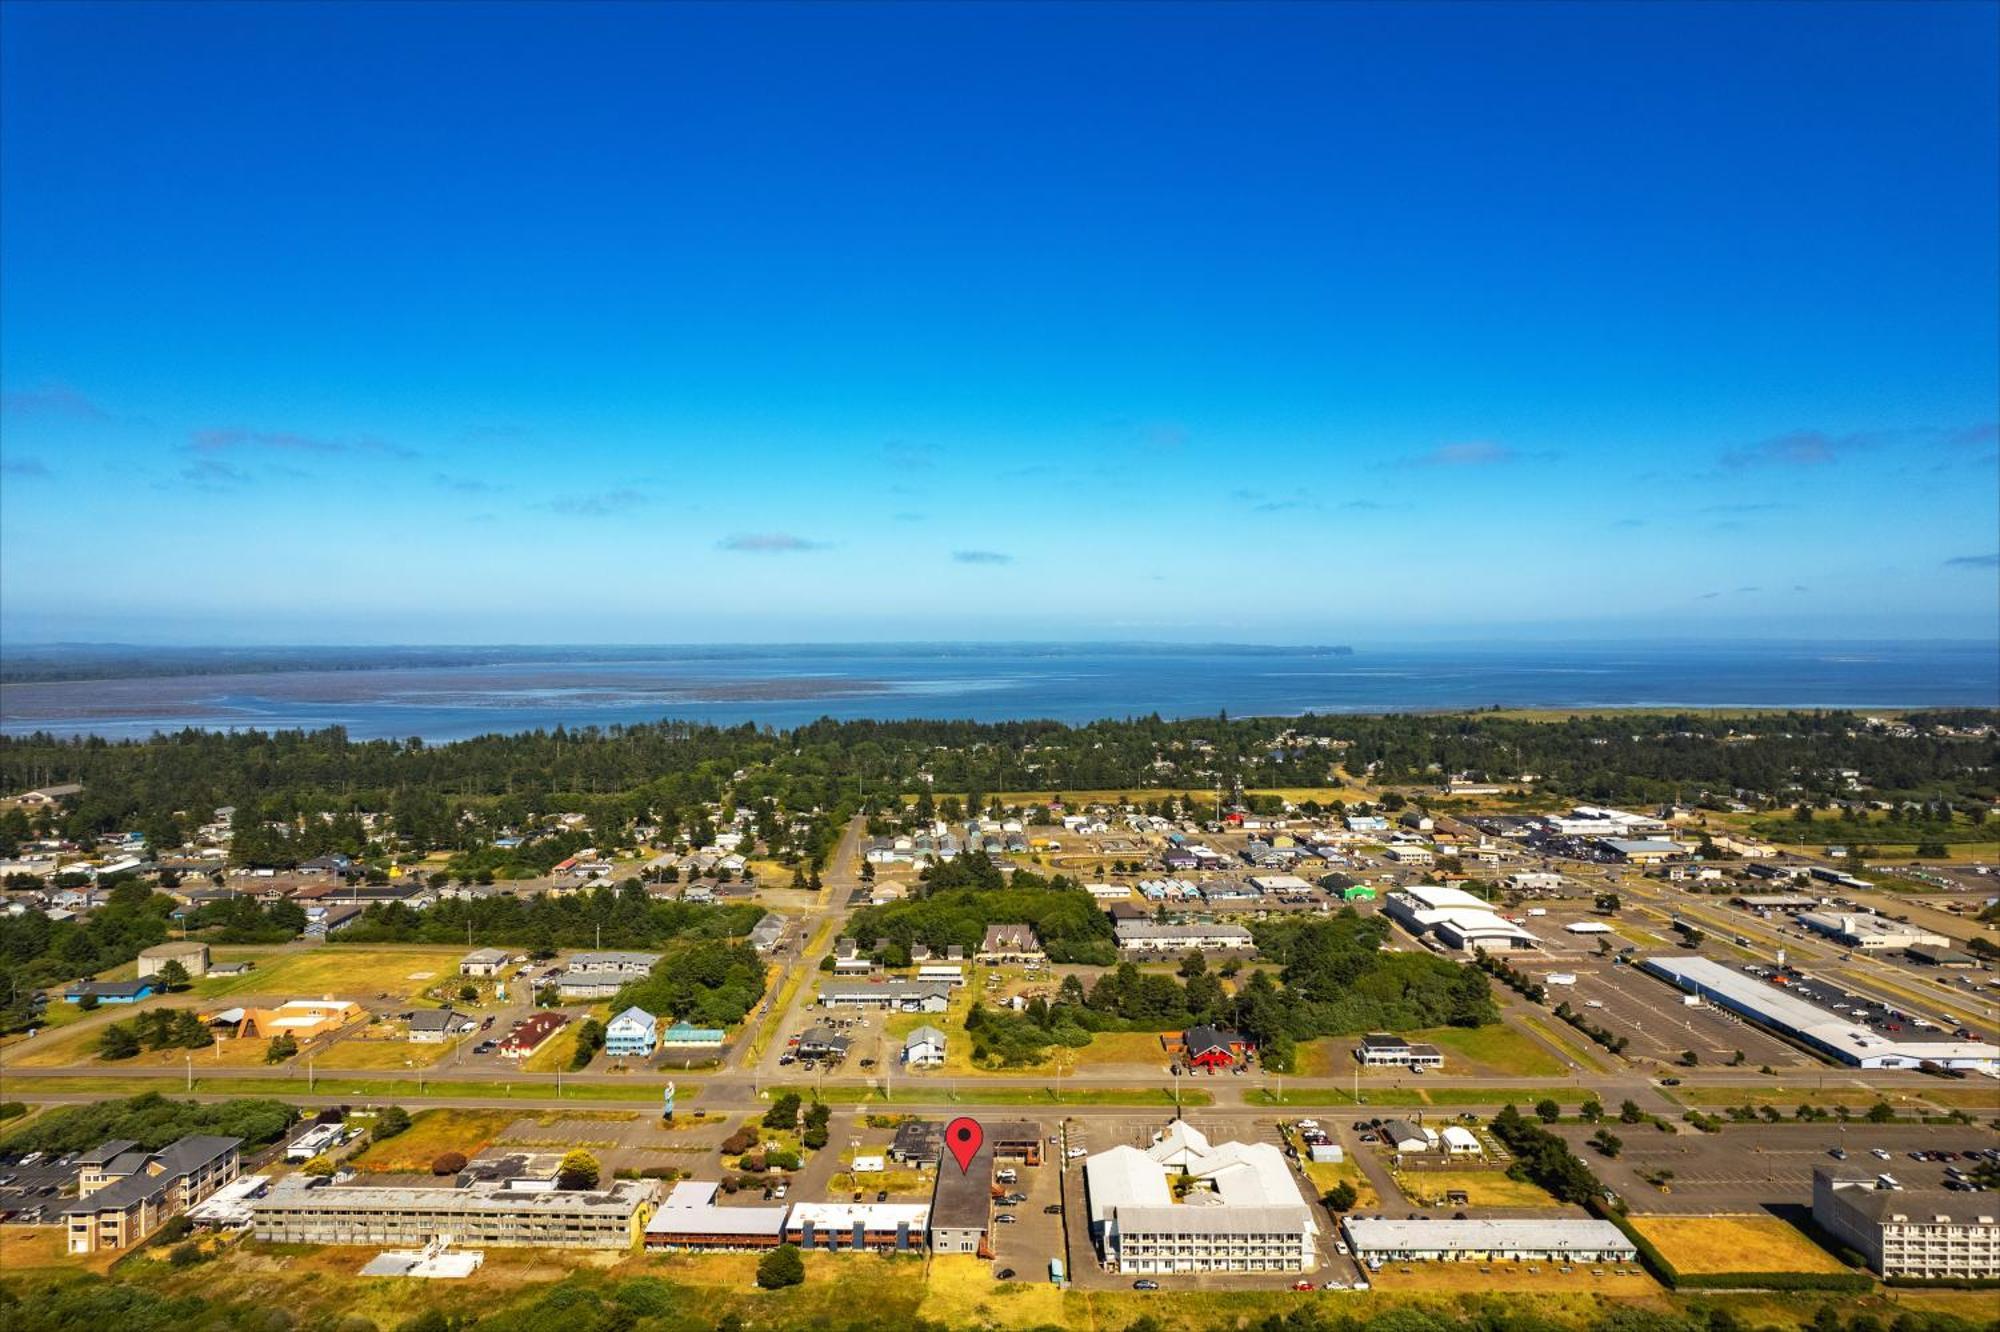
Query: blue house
[109,992]
[632,1032]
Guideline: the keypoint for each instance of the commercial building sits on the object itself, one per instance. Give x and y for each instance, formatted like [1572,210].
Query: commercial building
[1597,821]
[1487,1239]
[682,1036]
[1380,1049]
[885,1227]
[1923,1233]
[1150,936]
[435,1026]
[961,1212]
[902,996]
[125,1193]
[298,1210]
[1822,1029]
[109,992]
[192,956]
[301,1019]
[632,1034]
[601,975]
[1456,919]
[1243,1210]
[690,1219]
[1410,853]
[527,1035]
[1212,1047]
[1932,955]
[1645,851]
[1870,934]
[484,962]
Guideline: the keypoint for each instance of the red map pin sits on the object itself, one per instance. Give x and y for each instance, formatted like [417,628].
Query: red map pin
[962,1138]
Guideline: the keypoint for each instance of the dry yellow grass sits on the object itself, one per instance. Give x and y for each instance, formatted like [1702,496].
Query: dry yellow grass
[80,1047]
[433,1133]
[379,1049]
[345,971]
[1623,1282]
[43,1251]
[960,1292]
[1702,1244]
[1482,1188]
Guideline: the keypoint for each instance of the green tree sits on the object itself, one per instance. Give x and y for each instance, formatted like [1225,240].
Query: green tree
[282,1047]
[392,1121]
[781,1267]
[1592,1110]
[1548,1111]
[172,975]
[117,1042]
[579,1171]
[321,1166]
[784,1112]
[1630,1113]
[1341,1197]
[1880,1113]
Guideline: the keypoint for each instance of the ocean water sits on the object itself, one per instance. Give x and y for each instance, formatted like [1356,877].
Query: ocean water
[785,686]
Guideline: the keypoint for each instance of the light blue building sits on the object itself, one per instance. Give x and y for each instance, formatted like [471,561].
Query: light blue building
[632,1032]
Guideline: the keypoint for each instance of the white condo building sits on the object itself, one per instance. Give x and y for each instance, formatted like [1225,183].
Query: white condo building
[1241,1210]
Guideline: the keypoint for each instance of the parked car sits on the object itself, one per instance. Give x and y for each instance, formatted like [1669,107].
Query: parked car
[1144,1284]
[1004,1218]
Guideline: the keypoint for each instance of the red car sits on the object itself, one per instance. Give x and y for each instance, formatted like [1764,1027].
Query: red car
[1302,1285]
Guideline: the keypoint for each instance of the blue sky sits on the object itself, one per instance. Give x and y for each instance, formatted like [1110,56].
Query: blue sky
[558,323]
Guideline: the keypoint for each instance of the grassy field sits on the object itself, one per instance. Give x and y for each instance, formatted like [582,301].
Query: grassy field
[383,1047]
[1629,1282]
[357,971]
[1698,1244]
[1482,1188]
[977,1095]
[432,1133]
[41,1252]
[386,1089]
[1325,1174]
[1494,1049]
[1569,1041]
[80,1047]
[960,1291]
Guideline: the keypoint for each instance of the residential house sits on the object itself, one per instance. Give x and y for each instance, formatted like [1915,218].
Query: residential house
[632,1034]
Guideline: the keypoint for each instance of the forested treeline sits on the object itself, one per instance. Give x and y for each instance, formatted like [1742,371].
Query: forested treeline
[453,795]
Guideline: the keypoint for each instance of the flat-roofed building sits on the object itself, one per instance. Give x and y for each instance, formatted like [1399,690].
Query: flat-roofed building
[1926,1234]
[1380,1049]
[1488,1239]
[297,1210]
[890,1227]
[1823,1029]
[1151,936]
[1640,851]
[901,996]
[688,1218]
[1870,934]
[962,1204]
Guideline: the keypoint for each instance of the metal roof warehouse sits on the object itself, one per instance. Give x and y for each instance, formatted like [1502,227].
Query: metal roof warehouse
[1822,1029]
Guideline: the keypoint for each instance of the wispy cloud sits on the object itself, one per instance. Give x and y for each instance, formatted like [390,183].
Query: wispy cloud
[981,557]
[464,485]
[1365,506]
[224,439]
[213,474]
[907,517]
[24,467]
[904,456]
[770,543]
[1708,596]
[1283,506]
[51,400]
[1819,448]
[1749,589]
[1974,561]
[1472,453]
[1766,506]
[1629,523]
[602,504]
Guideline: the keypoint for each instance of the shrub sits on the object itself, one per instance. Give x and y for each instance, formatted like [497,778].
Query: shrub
[578,1172]
[392,1121]
[177,1228]
[448,1163]
[781,1267]
[185,1255]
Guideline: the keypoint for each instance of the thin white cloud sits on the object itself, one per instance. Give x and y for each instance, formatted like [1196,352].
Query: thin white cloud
[770,543]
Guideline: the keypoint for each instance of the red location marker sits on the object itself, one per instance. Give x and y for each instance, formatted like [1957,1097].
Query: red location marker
[962,1138]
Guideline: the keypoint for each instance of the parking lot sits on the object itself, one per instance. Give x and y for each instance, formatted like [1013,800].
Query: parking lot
[1650,1014]
[1751,1168]
[1025,1245]
[31,1194]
